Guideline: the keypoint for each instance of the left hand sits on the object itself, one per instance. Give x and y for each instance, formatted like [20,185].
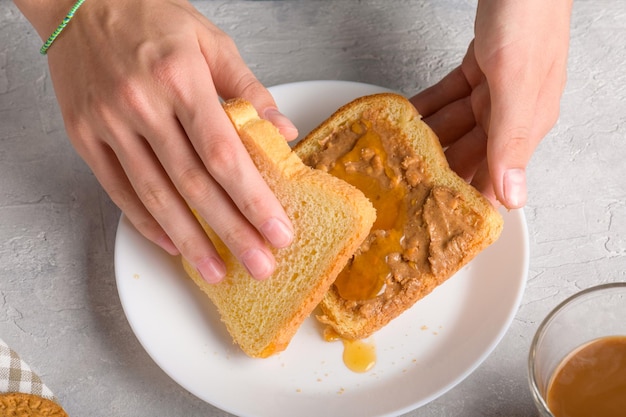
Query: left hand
[492,111]
[139,85]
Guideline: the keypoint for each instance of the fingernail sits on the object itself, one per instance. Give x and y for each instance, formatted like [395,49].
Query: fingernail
[514,188]
[277,233]
[212,269]
[284,125]
[258,264]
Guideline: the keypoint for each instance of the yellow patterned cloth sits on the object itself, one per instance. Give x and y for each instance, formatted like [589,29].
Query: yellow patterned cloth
[17,376]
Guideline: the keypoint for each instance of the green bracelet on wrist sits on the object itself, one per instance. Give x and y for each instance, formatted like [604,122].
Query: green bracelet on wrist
[66,20]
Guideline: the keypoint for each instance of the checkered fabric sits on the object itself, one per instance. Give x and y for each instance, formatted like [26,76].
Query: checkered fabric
[16,375]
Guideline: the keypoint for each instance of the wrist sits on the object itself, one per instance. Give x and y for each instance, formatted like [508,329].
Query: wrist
[44,15]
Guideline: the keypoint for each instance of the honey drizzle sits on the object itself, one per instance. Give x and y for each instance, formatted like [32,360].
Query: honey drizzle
[364,277]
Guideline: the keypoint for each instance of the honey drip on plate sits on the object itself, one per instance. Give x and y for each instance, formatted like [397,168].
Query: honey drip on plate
[358,355]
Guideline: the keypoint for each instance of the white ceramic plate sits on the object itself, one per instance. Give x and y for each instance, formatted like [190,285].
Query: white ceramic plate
[421,355]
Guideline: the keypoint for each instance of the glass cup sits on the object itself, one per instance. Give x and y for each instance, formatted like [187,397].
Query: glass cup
[588,315]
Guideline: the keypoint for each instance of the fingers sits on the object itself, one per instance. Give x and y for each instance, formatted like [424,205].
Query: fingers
[220,150]
[512,138]
[515,132]
[165,179]
[211,170]
[452,87]
[166,162]
[233,78]
[482,181]
[455,86]
[227,190]
[284,125]
[467,153]
[143,190]
[452,121]
[111,176]
[216,176]
[466,104]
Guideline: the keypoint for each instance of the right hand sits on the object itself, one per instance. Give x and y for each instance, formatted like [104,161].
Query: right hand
[138,83]
[493,110]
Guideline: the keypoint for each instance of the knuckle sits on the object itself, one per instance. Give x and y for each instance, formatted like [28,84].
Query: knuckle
[253,204]
[129,91]
[493,60]
[97,110]
[223,43]
[126,200]
[190,247]
[121,197]
[479,101]
[249,86]
[166,70]
[148,227]
[131,100]
[237,238]
[155,197]
[81,135]
[75,123]
[220,157]
[517,141]
[226,42]
[168,74]
[194,185]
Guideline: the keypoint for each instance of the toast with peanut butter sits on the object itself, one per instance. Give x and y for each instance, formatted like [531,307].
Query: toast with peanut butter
[430,222]
[330,218]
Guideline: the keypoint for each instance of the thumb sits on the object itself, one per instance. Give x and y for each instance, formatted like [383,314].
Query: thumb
[508,153]
[512,139]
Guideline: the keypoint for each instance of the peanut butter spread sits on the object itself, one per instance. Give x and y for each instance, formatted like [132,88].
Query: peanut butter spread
[421,230]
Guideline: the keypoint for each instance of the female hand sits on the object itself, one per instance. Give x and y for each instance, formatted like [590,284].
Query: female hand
[492,111]
[138,83]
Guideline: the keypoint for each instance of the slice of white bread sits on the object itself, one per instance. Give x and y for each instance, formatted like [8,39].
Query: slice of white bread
[441,222]
[330,218]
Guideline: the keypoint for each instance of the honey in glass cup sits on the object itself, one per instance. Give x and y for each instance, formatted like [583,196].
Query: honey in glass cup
[577,361]
[591,381]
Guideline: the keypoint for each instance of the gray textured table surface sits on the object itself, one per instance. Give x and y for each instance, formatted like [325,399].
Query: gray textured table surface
[59,306]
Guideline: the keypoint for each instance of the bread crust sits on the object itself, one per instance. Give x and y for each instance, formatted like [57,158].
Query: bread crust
[360,319]
[330,218]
